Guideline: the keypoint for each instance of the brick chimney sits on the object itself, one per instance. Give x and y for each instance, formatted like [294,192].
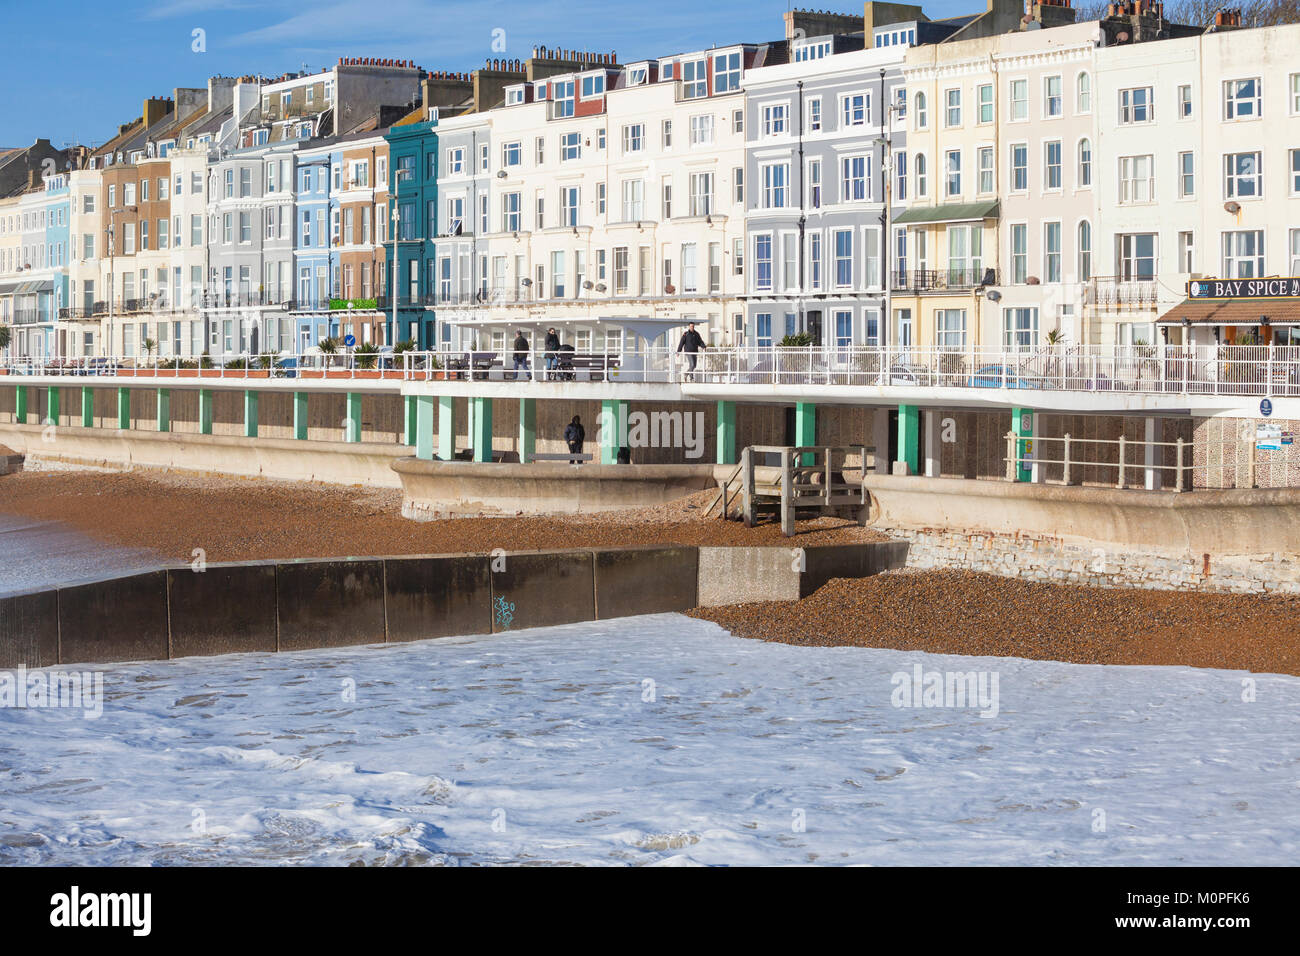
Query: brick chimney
[1050,13]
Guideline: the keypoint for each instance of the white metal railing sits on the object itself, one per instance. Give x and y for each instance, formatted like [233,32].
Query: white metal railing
[232,366]
[1246,370]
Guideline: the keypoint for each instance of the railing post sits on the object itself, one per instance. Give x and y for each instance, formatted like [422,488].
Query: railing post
[1011,456]
[1120,484]
[1178,468]
[1065,477]
[1251,450]
[787,493]
[747,484]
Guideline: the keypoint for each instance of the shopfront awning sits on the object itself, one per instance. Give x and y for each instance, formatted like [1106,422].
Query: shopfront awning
[950,212]
[1233,312]
[7,288]
[32,288]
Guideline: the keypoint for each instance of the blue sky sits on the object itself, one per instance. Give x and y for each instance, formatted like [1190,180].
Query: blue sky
[73,71]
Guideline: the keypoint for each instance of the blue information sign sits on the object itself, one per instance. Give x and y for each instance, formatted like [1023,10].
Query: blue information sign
[1265,407]
[351,340]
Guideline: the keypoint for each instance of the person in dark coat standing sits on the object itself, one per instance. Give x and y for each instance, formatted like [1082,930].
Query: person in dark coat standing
[521,353]
[575,435]
[552,351]
[692,345]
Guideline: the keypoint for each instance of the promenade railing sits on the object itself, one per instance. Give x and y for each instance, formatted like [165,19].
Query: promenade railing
[1244,370]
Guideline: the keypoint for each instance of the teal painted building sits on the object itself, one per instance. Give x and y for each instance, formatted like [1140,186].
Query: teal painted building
[413,194]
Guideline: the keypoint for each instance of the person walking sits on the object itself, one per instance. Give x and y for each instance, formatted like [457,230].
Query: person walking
[692,345]
[552,352]
[521,354]
[575,435]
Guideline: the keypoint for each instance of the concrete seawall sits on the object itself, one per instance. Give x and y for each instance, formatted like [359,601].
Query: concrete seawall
[333,462]
[1233,540]
[296,605]
[432,489]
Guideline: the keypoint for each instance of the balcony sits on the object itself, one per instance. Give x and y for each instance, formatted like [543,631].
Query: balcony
[1122,293]
[944,280]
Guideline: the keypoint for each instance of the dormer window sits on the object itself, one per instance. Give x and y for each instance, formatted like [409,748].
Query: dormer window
[812,50]
[514,95]
[695,83]
[726,72]
[636,76]
[539,91]
[666,70]
[593,86]
[563,98]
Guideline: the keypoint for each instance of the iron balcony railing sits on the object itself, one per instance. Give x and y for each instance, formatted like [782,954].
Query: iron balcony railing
[927,280]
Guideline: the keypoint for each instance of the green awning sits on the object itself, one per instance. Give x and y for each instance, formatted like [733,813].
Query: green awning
[952,212]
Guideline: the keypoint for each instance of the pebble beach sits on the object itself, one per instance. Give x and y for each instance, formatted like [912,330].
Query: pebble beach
[948,612]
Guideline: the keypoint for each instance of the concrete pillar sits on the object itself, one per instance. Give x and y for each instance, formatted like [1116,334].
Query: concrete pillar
[20,404]
[909,438]
[1022,423]
[481,428]
[300,415]
[164,409]
[1153,457]
[410,418]
[527,429]
[932,443]
[87,407]
[422,416]
[880,438]
[205,411]
[726,440]
[352,423]
[52,406]
[805,428]
[613,429]
[123,408]
[250,413]
[447,427]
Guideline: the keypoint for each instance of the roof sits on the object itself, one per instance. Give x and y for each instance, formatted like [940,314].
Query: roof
[950,212]
[1233,312]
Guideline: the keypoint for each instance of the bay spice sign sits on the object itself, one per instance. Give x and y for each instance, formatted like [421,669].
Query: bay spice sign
[1276,288]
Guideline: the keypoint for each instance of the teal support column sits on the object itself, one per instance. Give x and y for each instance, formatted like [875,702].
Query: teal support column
[352,431]
[1022,423]
[87,407]
[52,407]
[613,429]
[446,427]
[481,428]
[123,408]
[164,409]
[300,416]
[20,405]
[805,428]
[726,441]
[422,423]
[250,413]
[527,429]
[205,411]
[411,418]
[909,437]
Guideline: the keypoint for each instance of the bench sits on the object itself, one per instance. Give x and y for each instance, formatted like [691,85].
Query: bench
[565,456]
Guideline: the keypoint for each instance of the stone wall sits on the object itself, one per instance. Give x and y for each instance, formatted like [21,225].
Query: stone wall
[1052,560]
